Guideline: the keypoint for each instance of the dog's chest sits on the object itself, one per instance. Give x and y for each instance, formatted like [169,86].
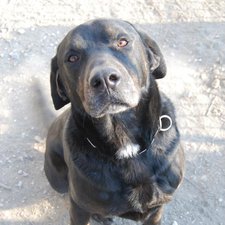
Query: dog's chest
[137,175]
[120,186]
[134,177]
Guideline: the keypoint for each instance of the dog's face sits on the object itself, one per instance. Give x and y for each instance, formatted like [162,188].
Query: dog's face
[103,66]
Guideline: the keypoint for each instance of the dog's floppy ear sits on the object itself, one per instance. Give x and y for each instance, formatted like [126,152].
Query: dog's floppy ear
[158,65]
[58,92]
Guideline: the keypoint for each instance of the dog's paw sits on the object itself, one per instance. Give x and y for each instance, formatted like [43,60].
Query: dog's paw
[101,220]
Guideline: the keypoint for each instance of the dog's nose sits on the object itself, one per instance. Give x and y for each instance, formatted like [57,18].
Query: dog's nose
[105,79]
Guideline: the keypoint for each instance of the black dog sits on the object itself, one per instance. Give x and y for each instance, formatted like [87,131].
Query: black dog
[116,150]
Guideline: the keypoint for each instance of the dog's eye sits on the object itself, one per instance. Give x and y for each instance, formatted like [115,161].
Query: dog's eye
[122,42]
[73,58]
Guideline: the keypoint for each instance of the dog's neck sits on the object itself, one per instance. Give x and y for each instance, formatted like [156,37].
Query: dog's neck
[133,129]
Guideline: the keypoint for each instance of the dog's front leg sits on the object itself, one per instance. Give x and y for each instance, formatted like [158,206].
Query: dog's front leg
[78,216]
[154,217]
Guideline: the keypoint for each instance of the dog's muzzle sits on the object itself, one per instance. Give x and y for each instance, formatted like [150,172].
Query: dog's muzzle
[108,87]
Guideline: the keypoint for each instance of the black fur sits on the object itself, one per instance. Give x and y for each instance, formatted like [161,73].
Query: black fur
[115,104]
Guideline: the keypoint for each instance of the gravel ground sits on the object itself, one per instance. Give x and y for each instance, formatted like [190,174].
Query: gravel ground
[192,37]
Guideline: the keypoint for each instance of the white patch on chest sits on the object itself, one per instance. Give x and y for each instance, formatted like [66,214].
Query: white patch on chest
[128,151]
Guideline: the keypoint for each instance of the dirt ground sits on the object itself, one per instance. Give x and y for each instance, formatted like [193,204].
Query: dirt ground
[191,34]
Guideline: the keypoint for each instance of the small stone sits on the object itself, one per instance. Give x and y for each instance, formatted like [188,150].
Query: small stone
[28,157]
[175,223]
[220,200]
[43,51]
[21,31]
[23,200]
[8,161]
[204,178]
[25,174]
[38,139]
[20,172]
[14,55]
[10,90]
[216,83]
[204,76]
[19,184]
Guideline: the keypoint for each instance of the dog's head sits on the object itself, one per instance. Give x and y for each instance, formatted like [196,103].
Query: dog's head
[104,66]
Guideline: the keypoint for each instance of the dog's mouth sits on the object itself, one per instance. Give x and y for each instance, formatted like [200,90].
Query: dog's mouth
[102,106]
[109,108]
[116,107]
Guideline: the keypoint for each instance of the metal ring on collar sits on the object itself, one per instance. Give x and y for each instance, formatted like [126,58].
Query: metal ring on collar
[160,123]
